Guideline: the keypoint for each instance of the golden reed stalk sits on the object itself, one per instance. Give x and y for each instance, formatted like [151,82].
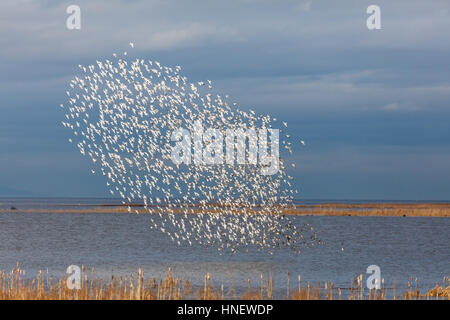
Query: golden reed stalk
[14,286]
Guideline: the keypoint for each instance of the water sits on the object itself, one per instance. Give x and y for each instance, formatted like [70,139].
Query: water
[121,243]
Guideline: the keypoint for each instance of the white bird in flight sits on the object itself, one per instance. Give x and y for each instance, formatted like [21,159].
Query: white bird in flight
[127,133]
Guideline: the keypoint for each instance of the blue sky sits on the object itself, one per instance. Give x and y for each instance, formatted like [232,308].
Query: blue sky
[373,106]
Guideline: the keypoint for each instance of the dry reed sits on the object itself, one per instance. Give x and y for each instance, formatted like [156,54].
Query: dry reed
[15,286]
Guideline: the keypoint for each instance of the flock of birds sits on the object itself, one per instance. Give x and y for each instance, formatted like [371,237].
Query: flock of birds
[122,114]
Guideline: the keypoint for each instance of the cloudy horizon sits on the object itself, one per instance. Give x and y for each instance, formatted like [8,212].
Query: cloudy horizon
[372,105]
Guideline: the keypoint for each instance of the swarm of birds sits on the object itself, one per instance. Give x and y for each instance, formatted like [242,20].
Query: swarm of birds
[122,114]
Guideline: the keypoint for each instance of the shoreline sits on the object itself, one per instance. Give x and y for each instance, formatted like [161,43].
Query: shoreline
[326,209]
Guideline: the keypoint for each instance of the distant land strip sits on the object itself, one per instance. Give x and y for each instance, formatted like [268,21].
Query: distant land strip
[326,209]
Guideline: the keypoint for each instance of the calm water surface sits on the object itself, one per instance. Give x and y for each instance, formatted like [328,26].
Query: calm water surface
[121,243]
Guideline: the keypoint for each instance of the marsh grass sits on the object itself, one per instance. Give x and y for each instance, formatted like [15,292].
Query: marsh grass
[15,286]
[328,209]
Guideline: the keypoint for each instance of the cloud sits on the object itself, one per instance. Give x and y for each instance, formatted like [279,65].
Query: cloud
[402,106]
[364,90]
[304,6]
[36,29]
[314,62]
[391,106]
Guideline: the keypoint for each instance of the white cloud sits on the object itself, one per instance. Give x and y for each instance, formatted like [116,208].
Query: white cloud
[391,106]
[304,6]
[361,90]
[33,32]
[35,29]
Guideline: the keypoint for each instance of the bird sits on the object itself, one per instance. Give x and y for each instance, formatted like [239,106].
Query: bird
[121,114]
